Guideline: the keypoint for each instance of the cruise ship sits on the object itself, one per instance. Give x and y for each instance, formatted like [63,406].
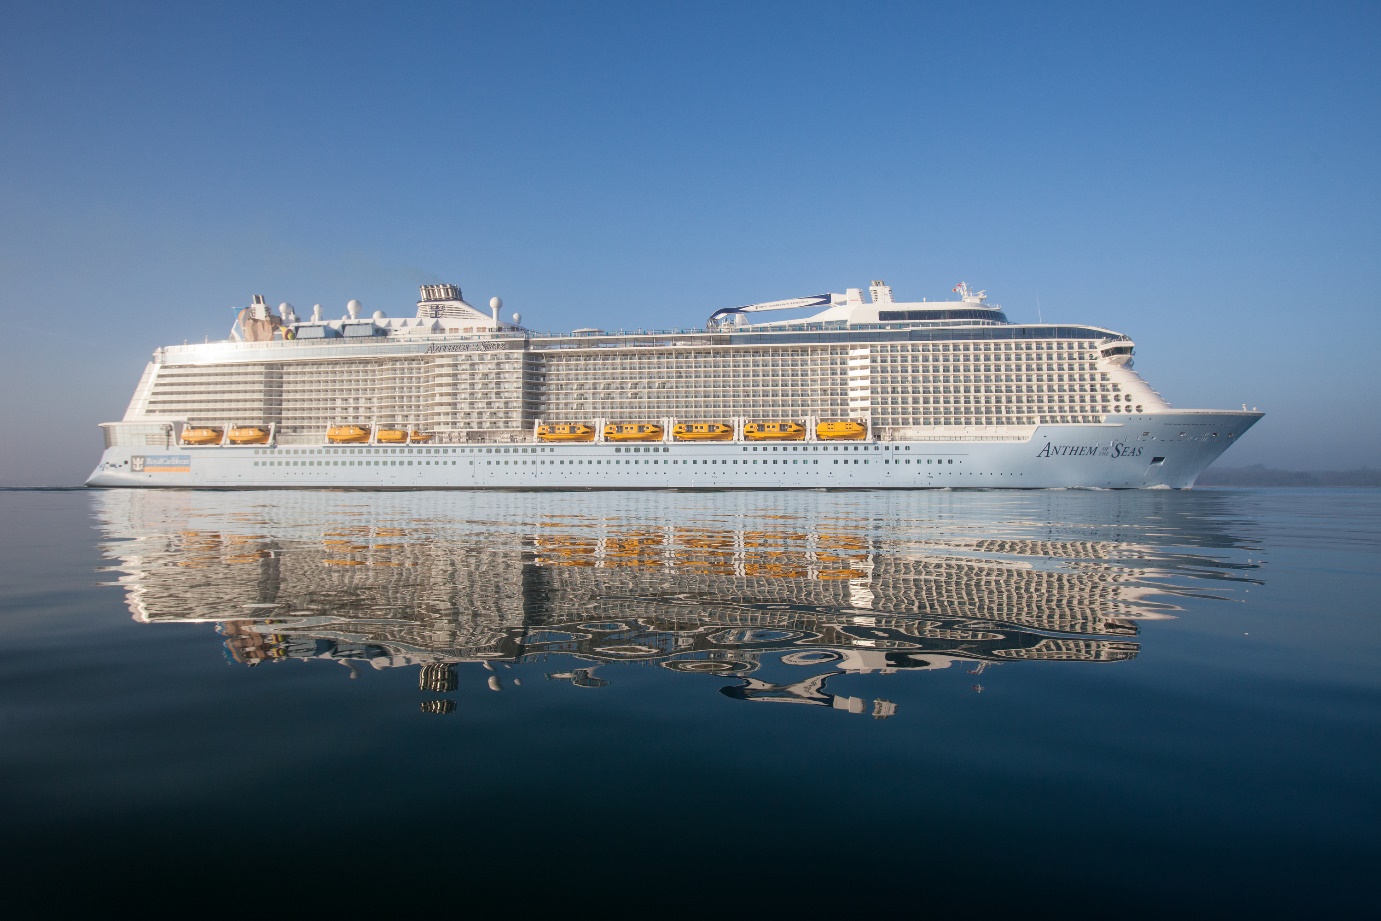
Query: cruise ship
[829,391]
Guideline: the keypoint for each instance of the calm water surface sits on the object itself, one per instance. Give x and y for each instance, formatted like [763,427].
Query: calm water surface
[1101,703]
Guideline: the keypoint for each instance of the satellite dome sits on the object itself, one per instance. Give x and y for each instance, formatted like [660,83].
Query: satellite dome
[378,314]
[517,318]
[353,308]
[316,313]
[495,303]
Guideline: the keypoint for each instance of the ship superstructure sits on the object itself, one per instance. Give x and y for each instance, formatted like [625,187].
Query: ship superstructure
[950,389]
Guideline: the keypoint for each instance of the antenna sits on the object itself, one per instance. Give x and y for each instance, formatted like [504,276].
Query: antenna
[1039,318]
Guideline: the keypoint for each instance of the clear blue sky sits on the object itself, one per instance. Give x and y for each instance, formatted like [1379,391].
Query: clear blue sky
[1203,177]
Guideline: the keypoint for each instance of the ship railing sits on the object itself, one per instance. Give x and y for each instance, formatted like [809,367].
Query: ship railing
[567,340]
[231,345]
[613,339]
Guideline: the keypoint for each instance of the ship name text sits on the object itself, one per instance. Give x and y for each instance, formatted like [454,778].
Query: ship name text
[1116,449]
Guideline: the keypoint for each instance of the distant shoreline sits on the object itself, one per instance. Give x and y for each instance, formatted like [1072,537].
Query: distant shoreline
[1261,475]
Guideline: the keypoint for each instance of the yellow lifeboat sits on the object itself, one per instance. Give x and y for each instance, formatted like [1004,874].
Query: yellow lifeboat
[249,435]
[774,431]
[569,432]
[632,431]
[845,430]
[202,435]
[391,436]
[774,570]
[702,431]
[347,434]
[419,437]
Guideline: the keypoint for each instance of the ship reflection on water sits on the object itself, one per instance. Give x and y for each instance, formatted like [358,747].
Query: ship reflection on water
[804,587]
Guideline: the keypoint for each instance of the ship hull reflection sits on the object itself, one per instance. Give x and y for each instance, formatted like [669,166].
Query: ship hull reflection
[701,586]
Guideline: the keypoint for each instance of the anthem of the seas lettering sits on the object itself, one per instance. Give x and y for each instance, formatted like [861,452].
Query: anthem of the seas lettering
[838,391]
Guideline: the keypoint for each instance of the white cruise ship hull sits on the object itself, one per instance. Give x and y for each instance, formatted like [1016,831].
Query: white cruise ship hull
[1143,451]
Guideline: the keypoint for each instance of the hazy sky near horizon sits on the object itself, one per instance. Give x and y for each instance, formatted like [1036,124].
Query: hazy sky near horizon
[1203,177]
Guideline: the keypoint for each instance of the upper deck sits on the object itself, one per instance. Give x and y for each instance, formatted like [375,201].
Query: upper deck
[446,323]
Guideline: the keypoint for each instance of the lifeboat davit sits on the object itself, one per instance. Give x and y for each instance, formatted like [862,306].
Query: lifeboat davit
[774,431]
[347,434]
[202,435]
[249,435]
[573,431]
[845,430]
[702,431]
[632,431]
[391,436]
